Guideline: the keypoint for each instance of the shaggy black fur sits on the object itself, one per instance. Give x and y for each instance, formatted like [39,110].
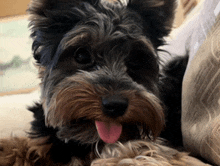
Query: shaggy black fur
[60,152]
[54,20]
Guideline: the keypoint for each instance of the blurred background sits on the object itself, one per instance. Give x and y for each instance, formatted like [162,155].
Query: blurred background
[17,71]
[13,7]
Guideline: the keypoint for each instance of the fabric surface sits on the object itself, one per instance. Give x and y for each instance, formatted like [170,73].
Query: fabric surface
[189,37]
[201,100]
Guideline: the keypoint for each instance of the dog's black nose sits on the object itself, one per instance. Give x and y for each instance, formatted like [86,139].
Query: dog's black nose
[114,106]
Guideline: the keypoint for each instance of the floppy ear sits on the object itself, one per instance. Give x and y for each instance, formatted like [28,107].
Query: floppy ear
[50,20]
[158,16]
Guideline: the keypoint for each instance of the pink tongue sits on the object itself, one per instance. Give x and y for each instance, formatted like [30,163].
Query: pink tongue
[108,132]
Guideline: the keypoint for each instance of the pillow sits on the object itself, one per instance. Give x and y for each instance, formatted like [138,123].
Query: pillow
[201,99]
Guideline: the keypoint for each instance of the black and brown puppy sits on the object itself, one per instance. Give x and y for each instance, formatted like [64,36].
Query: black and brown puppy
[99,71]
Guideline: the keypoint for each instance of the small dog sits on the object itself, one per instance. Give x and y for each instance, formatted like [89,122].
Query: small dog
[99,69]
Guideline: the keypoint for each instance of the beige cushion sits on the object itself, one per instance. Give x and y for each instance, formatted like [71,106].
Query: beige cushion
[14,117]
[201,100]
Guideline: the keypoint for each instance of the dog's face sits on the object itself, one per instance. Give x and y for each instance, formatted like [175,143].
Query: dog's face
[99,66]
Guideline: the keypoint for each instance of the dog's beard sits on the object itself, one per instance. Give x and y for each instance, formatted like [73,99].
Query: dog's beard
[83,131]
[76,110]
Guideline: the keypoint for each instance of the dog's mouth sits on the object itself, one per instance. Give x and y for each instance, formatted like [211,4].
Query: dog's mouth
[89,131]
[109,132]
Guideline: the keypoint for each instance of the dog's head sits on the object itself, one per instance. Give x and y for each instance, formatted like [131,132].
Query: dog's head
[99,66]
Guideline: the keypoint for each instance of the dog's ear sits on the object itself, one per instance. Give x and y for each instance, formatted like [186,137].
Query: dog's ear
[157,15]
[50,20]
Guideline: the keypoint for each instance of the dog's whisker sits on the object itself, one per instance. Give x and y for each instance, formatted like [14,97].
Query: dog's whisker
[66,140]
[97,149]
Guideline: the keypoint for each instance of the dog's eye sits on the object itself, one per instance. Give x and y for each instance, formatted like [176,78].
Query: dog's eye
[82,56]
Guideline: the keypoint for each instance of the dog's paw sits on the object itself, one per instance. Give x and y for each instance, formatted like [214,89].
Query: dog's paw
[12,151]
[7,157]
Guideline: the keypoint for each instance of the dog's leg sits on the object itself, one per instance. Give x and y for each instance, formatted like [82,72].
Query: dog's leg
[171,94]
[13,151]
[24,151]
[31,152]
